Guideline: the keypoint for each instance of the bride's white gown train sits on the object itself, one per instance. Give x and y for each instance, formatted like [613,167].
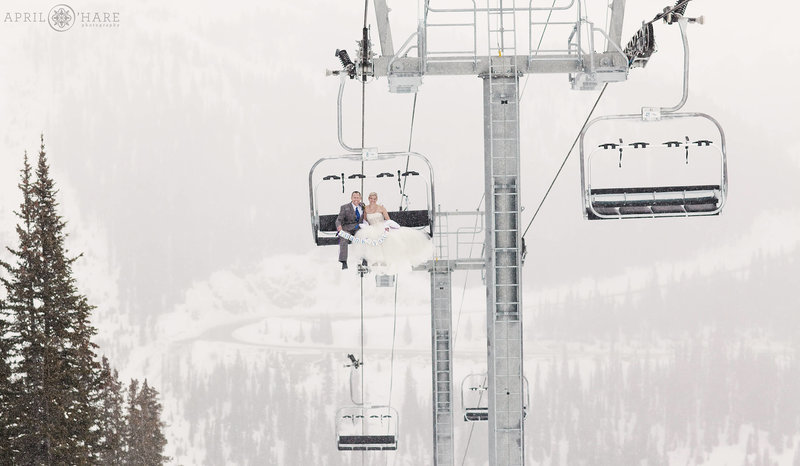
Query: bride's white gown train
[401,247]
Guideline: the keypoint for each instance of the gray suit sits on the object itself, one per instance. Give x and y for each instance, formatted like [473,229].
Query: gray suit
[347,220]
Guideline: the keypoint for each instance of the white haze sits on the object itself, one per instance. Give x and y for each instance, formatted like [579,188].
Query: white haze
[181,143]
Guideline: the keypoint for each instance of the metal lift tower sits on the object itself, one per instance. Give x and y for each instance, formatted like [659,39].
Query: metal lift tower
[500,68]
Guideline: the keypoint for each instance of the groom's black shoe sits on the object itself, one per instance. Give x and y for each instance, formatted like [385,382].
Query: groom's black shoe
[344,265]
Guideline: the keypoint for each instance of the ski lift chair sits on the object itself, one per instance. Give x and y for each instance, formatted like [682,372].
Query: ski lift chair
[363,428]
[420,216]
[645,200]
[475,397]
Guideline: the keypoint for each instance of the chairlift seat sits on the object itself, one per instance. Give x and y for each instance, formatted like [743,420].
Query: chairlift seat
[482,414]
[367,442]
[366,428]
[406,218]
[653,201]
[476,414]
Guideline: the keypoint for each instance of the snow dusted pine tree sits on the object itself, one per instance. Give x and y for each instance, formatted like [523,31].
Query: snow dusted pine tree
[19,301]
[57,404]
[144,437]
[71,360]
[112,421]
[23,337]
[54,410]
[6,392]
[133,423]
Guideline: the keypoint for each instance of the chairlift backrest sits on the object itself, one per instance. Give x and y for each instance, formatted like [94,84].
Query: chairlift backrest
[372,173]
[694,195]
[361,428]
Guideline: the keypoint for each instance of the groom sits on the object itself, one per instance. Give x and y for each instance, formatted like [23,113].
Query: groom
[350,215]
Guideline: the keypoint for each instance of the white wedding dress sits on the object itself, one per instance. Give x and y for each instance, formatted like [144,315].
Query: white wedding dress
[392,250]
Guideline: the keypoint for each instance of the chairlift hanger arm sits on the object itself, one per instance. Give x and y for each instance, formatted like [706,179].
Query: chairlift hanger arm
[682,23]
[339,116]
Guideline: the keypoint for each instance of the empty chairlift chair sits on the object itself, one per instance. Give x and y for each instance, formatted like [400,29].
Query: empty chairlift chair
[475,397]
[385,173]
[365,428]
[646,200]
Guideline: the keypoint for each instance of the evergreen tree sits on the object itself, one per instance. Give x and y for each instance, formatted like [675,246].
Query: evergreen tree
[111,422]
[6,392]
[57,404]
[23,336]
[133,425]
[18,302]
[145,437]
[54,410]
[70,360]
[154,439]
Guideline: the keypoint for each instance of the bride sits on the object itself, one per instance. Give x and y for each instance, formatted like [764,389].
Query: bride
[388,244]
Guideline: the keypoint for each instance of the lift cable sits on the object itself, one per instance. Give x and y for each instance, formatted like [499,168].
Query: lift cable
[362,340]
[391,363]
[469,439]
[364,58]
[538,47]
[566,158]
[458,319]
[394,339]
[363,133]
[411,130]
[394,335]
[408,158]
[472,428]
[363,457]
[466,275]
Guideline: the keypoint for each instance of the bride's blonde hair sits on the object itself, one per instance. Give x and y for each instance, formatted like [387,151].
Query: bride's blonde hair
[373,193]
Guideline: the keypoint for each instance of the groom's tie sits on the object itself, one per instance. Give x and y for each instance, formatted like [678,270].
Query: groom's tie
[358,219]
